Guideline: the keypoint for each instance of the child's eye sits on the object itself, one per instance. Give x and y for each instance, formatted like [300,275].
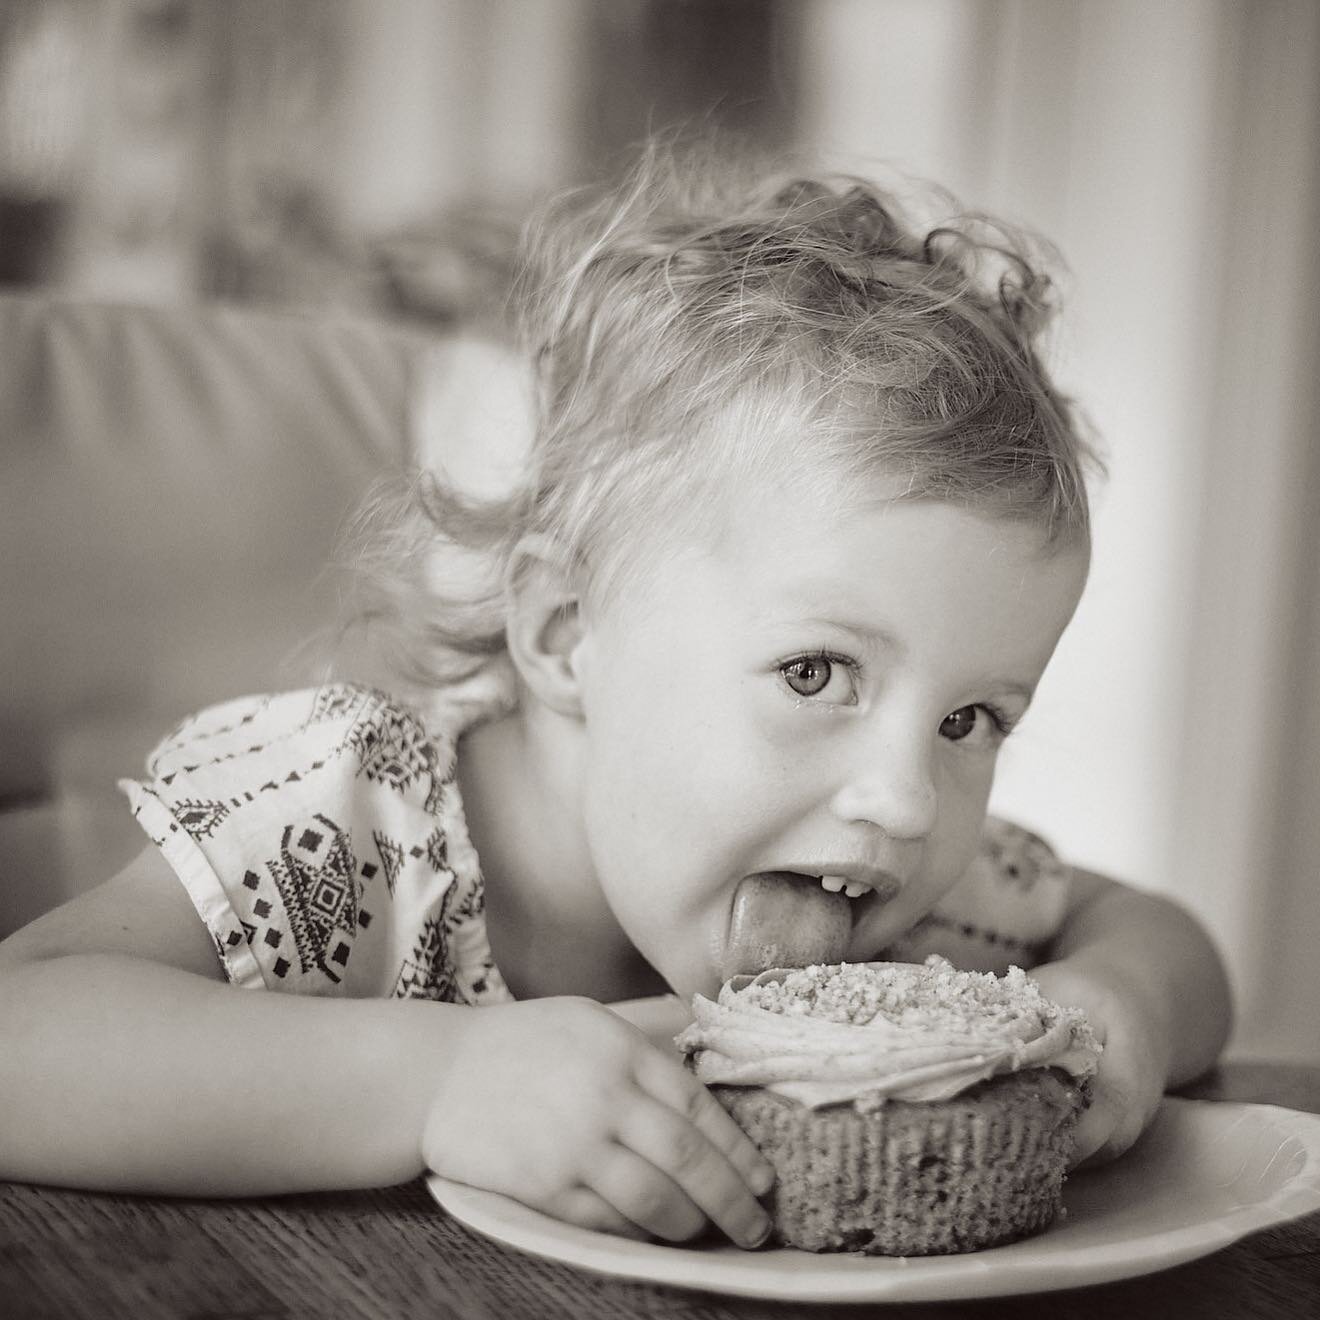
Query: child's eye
[820,675]
[975,722]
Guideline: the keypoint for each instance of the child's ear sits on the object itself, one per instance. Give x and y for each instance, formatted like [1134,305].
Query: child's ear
[544,624]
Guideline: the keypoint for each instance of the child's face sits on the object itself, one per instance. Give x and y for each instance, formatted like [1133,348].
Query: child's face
[820,692]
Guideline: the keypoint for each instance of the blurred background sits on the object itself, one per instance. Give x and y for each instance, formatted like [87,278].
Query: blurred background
[364,156]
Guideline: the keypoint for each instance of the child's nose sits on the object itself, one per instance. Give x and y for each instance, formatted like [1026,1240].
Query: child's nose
[894,791]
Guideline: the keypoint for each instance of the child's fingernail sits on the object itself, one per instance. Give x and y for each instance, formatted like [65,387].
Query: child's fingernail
[759,1235]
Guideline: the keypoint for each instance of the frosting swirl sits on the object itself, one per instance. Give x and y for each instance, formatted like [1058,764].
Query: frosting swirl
[865,1032]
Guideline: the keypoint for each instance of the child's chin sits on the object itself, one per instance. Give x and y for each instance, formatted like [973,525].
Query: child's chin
[696,981]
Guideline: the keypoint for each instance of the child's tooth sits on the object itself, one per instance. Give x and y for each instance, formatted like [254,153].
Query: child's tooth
[854,889]
[834,883]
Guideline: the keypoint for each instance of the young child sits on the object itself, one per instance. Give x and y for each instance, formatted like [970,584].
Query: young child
[800,524]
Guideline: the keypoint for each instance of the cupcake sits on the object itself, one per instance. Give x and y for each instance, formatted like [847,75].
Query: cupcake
[909,1109]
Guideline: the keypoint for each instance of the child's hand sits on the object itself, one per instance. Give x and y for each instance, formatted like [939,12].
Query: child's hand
[1133,1069]
[562,1105]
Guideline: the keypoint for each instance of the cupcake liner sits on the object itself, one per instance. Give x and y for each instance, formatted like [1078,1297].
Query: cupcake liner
[915,1179]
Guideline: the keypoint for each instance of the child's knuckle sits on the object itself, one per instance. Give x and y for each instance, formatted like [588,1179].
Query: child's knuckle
[649,1202]
[688,1149]
[697,1101]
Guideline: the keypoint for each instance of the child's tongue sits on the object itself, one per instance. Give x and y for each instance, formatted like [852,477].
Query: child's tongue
[784,920]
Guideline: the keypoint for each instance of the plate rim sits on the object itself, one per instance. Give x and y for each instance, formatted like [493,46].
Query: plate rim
[810,1277]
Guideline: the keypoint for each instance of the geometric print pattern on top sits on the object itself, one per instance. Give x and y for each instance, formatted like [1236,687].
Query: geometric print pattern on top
[425,973]
[315,874]
[321,837]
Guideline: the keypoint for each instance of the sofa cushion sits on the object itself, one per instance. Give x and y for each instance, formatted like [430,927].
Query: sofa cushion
[172,482]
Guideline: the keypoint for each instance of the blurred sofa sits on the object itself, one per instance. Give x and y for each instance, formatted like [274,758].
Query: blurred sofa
[172,483]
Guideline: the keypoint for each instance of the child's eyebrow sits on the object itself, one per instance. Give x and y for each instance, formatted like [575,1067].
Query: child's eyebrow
[875,635]
[1014,689]
[882,639]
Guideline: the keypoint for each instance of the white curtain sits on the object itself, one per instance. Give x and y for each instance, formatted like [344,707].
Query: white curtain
[1170,151]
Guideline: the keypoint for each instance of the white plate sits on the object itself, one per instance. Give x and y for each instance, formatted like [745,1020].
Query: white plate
[1203,1175]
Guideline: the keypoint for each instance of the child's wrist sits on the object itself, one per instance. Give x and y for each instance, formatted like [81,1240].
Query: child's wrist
[443,1047]
[402,1057]
[1073,986]
[1114,1003]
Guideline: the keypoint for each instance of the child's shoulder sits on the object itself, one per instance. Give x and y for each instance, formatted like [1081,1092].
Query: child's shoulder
[1004,910]
[334,717]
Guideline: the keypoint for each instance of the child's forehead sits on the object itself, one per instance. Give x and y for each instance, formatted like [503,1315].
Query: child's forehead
[799,471]
[914,577]
[828,521]
[811,539]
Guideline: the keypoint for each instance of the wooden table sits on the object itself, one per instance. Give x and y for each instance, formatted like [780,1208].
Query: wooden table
[393,1253]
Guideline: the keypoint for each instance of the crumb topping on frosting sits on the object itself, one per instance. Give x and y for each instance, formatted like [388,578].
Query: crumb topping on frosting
[930,996]
[865,1031]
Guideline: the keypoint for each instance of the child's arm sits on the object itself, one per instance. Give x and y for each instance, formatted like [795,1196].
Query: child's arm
[1155,990]
[124,1070]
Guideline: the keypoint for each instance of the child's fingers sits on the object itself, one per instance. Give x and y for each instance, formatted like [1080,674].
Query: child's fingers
[1111,1124]
[1089,1137]
[588,1209]
[676,1088]
[644,1194]
[688,1159]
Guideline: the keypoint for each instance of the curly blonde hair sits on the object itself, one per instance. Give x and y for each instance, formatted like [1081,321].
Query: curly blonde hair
[845,344]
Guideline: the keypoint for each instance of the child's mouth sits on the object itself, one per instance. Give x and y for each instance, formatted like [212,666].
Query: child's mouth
[794,918]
